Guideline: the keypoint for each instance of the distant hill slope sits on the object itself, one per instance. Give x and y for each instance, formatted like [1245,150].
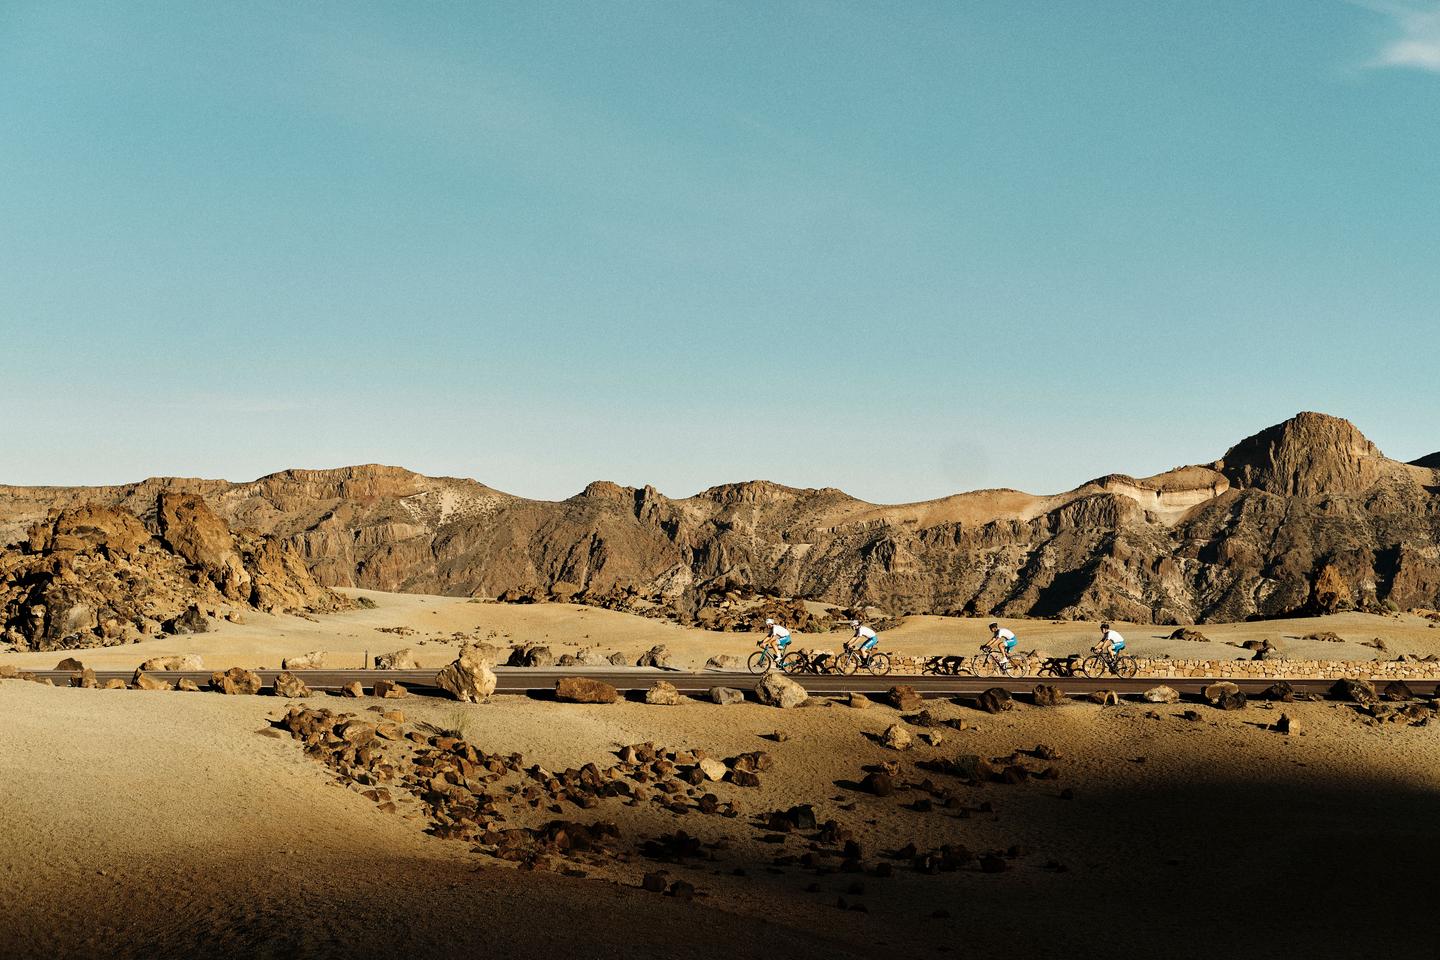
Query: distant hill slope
[1246,535]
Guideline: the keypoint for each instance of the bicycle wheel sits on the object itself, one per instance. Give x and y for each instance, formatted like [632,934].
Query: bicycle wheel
[1020,665]
[846,664]
[985,666]
[878,664]
[1092,666]
[759,662]
[794,662]
[1126,667]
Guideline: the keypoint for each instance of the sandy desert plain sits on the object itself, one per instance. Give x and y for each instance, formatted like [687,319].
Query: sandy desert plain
[170,824]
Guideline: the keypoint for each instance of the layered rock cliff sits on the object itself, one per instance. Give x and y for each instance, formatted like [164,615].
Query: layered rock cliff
[1246,535]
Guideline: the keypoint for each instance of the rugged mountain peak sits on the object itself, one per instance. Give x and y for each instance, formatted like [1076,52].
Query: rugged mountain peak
[1309,454]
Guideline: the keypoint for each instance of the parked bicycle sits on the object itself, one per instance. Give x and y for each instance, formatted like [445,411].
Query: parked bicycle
[1096,665]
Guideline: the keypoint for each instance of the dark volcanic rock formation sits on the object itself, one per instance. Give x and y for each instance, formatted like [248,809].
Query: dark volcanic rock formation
[1248,535]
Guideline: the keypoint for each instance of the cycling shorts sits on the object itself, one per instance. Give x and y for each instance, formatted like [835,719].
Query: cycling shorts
[870,644]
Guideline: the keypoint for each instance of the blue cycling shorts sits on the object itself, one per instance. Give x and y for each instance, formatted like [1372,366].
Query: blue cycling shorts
[870,644]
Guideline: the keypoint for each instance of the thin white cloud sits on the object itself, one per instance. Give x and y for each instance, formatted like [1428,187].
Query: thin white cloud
[1416,44]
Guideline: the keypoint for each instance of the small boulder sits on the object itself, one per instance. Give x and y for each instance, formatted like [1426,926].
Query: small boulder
[712,769]
[896,737]
[858,700]
[1398,690]
[725,662]
[352,689]
[70,663]
[399,660]
[114,683]
[1286,724]
[236,681]
[878,784]
[1105,698]
[657,656]
[290,686]
[726,696]
[995,700]
[187,685]
[466,681]
[662,694]
[1280,691]
[778,690]
[390,689]
[193,620]
[143,681]
[86,680]
[1162,694]
[585,690]
[486,653]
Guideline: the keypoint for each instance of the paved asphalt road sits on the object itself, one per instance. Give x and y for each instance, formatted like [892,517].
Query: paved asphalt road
[540,681]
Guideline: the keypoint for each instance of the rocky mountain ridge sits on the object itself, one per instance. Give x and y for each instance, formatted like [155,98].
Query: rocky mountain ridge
[1246,535]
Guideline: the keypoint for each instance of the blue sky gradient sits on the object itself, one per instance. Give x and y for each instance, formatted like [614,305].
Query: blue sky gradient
[900,249]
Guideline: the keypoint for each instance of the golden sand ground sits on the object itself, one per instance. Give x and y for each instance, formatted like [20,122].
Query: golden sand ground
[263,640]
[160,824]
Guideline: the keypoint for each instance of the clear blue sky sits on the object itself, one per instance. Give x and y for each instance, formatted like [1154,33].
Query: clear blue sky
[903,249]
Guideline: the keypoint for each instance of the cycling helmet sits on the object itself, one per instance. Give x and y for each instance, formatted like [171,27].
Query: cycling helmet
[1104,626]
[769,622]
[854,623]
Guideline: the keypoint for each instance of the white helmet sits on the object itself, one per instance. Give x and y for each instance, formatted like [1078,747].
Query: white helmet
[769,622]
[854,623]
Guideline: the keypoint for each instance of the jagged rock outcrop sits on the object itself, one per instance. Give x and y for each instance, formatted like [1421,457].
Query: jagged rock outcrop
[92,575]
[1248,535]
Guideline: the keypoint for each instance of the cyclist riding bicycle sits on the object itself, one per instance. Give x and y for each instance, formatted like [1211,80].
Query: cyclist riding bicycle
[776,638]
[1002,641]
[1112,638]
[864,641]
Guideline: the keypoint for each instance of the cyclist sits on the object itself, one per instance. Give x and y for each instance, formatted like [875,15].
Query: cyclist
[776,639]
[864,641]
[1111,637]
[1002,641]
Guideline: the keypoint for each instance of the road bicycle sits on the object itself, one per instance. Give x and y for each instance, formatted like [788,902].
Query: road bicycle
[875,663]
[1122,665]
[763,661]
[988,664]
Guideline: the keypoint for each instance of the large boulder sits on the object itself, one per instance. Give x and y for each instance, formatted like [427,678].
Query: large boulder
[236,680]
[585,690]
[486,653]
[70,663]
[466,680]
[662,694]
[995,700]
[399,660]
[778,690]
[1162,694]
[190,661]
[1213,692]
[314,660]
[191,529]
[290,686]
[1048,695]
[1356,691]
[904,698]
